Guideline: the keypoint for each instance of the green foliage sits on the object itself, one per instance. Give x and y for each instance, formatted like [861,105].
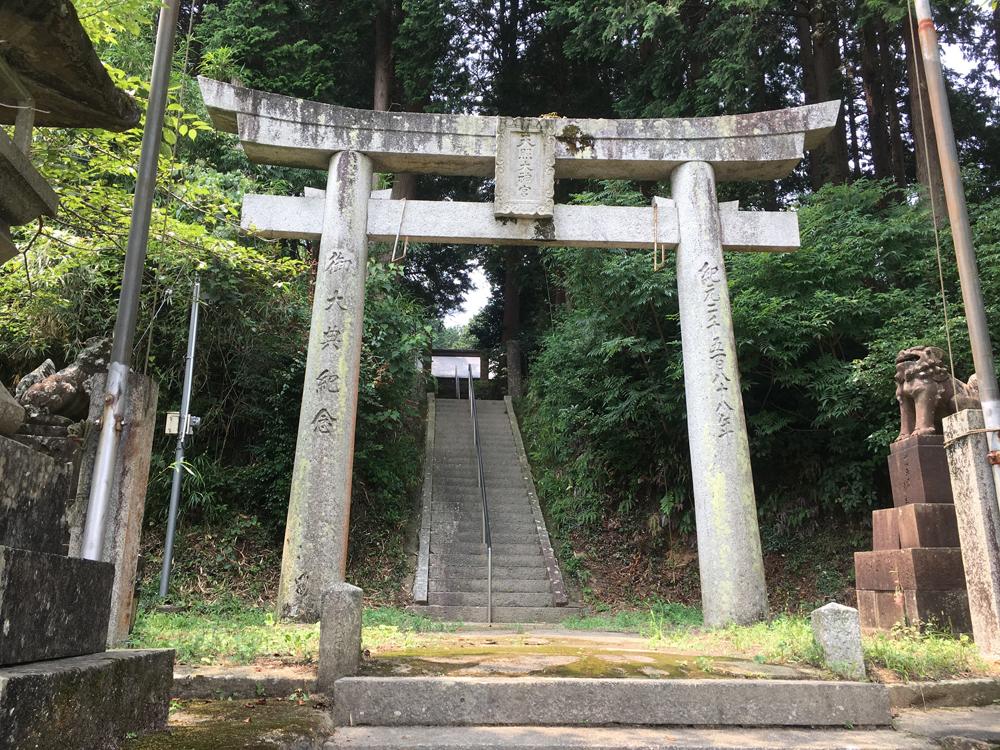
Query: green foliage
[230,632]
[817,333]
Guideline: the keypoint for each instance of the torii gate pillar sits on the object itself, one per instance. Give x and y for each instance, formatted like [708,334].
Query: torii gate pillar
[319,505]
[729,555]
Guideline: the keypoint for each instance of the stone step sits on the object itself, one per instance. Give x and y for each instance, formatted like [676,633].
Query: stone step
[513,585]
[507,561]
[473,520]
[85,701]
[500,614]
[52,606]
[478,572]
[474,537]
[500,599]
[540,701]
[476,548]
[618,738]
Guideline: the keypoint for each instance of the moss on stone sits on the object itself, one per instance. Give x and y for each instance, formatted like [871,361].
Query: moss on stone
[247,725]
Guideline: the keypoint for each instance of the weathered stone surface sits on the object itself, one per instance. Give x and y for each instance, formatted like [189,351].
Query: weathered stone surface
[540,701]
[885,529]
[934,569]
[339,635]
[927,393]
[67,392]
[128,495]
[978,691]
[11,413]
[24,193]
[242,682]
[882,610]
[51,606]
[55,60]
[918,469]
[978,524]
[459,223]
[89,702]
[315,552]
[33,497]
[525,167]
[729,552]
[281,130]
[916,525]
[620,738]
[48,367]
[927,525]
[837,629]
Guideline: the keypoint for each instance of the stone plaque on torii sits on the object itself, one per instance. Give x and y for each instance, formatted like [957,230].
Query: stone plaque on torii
[525,156]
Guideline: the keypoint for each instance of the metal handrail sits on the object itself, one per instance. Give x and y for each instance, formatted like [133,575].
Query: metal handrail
[487,538]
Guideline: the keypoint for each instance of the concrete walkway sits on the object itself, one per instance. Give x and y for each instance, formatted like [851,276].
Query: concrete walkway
[957,729]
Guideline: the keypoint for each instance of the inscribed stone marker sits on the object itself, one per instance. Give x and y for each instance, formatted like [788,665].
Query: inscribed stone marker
[319,508]
[729,553]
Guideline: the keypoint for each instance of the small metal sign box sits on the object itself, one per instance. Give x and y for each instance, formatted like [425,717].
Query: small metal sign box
[174,423]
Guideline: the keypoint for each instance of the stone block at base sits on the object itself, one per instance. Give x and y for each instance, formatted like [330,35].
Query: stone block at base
[339,635]
[918,469]
[89,702]
[933,569]
[51,606]
[33,493]
[882,610]
[915,525]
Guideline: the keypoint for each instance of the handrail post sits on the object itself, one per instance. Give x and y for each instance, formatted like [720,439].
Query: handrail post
[481,476]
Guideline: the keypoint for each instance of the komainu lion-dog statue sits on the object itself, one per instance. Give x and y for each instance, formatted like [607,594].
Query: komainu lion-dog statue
[927,393]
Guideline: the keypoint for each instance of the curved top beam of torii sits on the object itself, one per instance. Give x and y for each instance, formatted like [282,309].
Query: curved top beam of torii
[292,132]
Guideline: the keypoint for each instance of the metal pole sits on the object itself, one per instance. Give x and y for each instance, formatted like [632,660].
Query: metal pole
[128,303]
[958,215]
[185,419]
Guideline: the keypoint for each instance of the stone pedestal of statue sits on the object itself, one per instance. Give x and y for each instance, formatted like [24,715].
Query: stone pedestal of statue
[914,574]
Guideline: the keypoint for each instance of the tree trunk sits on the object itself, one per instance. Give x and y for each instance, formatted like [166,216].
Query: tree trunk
[922,126]
[403,185]
[890,80]
[873,79]
[384,72]
[512,316]
[819,44]
[996,35]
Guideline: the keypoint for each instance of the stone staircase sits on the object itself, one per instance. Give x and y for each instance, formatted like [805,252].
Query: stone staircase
[451,581]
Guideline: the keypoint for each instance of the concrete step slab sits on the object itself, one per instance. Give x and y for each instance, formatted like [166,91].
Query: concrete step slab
[539,701]
[451,572]
[464,548]
[518,585]
[500,614]
[618,738]
[507,561]
[500,599]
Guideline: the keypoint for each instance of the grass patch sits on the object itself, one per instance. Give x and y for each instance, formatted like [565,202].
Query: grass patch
[657,618]
[904,654]
[909,654]
[231,633]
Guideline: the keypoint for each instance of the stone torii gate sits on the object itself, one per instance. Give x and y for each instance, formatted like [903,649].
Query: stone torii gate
[525,156]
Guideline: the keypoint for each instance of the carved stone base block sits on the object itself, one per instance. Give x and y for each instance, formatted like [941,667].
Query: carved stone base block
[882,610]
[918,468]
[934,569]
[917,525]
